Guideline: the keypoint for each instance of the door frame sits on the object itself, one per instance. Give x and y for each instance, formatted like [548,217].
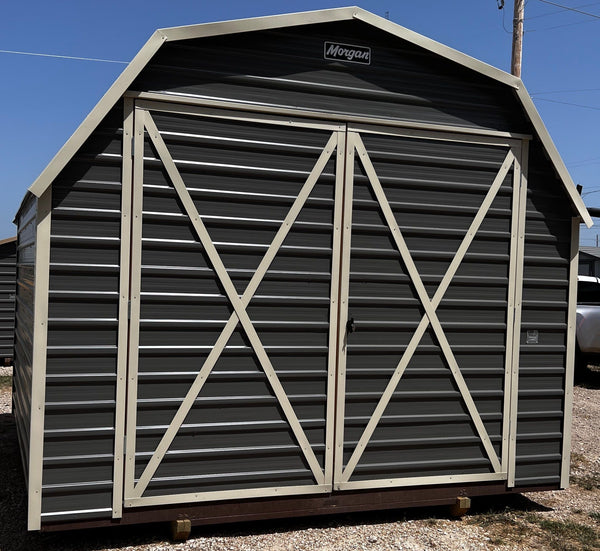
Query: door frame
[343,125]
[139,123]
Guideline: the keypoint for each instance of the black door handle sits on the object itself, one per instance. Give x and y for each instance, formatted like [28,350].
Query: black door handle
[351,326]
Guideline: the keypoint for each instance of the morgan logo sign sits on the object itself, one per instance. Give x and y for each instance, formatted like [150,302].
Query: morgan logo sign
[346,52]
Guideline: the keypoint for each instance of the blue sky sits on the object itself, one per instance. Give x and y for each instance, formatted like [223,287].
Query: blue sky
[43,99]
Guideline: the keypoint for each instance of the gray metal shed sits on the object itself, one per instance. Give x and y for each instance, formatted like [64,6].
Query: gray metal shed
[291,265]
[8,259]
[589,261]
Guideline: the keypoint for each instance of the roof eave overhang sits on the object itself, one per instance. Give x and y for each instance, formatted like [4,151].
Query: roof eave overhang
[554,155]
[8,240]
[124,81]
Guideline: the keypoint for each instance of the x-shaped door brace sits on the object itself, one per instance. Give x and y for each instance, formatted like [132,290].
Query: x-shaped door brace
[430,307]
[239,305]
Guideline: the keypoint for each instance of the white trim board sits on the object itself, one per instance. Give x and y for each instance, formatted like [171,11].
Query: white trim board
[124,81]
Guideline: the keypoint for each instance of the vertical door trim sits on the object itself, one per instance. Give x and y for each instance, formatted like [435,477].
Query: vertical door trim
[343,310]
[123,327]
[39,359]
[334,308]
[510,318]
[516,334]
[570,359]
[134,298]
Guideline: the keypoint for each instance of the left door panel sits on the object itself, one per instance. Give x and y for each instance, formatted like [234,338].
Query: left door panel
[233,276]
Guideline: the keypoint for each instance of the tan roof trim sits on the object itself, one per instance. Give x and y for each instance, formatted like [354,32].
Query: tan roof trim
[121,85]
[234,26]
[437,48]
[8,240]
[554,155]
[96,115]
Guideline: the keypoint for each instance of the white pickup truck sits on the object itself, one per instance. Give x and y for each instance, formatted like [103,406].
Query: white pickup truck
[588,323]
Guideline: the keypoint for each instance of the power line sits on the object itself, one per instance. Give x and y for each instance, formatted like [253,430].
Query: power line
[570,9]
[575,166]
[562,26]
[565,91]
[582,162]
[568,103]
[558,11]
[64,57]
[501,8]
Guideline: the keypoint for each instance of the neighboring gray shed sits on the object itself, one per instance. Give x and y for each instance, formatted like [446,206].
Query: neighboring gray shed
[292,265]
[589,261]
[8,259]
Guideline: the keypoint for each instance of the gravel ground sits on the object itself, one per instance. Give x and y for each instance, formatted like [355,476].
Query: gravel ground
[563,520]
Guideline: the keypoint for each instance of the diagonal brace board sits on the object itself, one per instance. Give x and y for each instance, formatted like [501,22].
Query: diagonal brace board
[430,307]
[239,305]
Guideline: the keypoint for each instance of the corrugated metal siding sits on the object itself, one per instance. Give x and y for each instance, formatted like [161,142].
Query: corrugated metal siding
[82,327]
[243,178]
[426,429]
[286,68]
[545,296]
[8,275]
[24,307]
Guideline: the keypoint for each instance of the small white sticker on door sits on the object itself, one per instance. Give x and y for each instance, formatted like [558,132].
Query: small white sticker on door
[532,336]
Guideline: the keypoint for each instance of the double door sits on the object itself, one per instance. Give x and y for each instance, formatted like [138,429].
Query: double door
[315,306]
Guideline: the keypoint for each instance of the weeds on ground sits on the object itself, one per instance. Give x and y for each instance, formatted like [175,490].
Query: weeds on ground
[5,382]
[565,534]
[578,460]
[522,526]
[502,525]
[589,479]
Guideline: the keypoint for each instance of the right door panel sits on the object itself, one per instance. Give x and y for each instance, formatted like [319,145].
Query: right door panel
[426,276]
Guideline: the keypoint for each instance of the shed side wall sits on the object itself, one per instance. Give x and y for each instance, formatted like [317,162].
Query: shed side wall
[543,327]
[24,308]
[8,259]
[82,328]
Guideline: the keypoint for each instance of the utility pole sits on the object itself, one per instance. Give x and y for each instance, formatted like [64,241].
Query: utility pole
[517,44]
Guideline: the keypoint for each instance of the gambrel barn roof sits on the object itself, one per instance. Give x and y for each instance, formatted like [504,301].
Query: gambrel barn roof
[168,35]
